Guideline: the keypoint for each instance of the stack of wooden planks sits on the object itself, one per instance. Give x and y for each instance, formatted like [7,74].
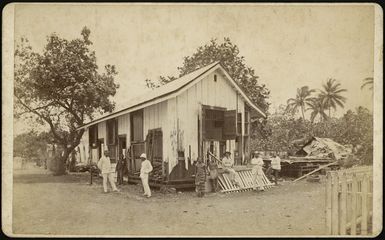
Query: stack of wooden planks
[245,179]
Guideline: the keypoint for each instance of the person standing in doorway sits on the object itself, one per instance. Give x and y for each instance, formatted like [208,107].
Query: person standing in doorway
[104,165]
[145,170]
[275,167]
[257,170]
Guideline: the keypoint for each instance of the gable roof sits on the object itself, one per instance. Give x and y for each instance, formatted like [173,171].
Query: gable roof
[171,89]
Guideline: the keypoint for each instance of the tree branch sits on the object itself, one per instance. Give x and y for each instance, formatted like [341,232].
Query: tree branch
[45,118]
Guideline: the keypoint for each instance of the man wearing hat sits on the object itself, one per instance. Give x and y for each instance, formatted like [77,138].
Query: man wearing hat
[104,165]
[228,164]
[145,169]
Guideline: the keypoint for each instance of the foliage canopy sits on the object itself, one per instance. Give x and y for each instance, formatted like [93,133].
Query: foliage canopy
[62,86]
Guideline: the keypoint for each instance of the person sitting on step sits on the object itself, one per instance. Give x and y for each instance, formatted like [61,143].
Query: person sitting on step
[228,163]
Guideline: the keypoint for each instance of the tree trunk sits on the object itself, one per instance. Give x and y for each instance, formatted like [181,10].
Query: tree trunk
[72,162]
[61,164]
[303,114]
[329,112]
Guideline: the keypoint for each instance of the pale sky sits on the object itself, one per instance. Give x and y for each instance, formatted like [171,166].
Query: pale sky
[288,46]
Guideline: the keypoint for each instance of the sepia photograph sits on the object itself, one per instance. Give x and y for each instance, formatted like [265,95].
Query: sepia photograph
[192,120]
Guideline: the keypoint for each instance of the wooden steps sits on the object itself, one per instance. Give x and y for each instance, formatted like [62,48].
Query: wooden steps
[245,179]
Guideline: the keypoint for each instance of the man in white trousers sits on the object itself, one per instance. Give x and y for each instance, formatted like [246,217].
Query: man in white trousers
[104,165]
[145,170]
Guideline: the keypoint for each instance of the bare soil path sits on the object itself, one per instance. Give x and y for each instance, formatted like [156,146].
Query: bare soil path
[68,205]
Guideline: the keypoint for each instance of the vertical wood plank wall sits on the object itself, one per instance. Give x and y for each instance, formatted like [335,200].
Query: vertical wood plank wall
[177,117]
[349,201]
[155,116]
[182,112]
[124,127]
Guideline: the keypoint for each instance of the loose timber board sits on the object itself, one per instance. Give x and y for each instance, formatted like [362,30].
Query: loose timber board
[244,178]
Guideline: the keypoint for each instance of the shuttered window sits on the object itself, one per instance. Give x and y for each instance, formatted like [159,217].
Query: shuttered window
[247,123]
[93,136]
[154,150]
[137,126]
[112,131]
[218,124]
[213,123]
[239,124]
[229,130]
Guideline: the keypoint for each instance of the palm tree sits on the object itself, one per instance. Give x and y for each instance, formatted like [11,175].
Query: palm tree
[330,95]
[300,101]
[368,82]
[317,106]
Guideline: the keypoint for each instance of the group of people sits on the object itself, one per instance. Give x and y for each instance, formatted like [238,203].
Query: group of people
[104,164]
[227,167]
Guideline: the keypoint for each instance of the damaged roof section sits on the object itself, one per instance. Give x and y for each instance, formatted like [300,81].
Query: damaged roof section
[323,148]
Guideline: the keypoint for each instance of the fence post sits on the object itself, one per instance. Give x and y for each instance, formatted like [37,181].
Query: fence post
[353,220]
[334,203]
[342,213]
[329,203]
[364,215]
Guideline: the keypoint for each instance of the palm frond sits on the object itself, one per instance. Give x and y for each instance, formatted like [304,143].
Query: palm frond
[368,81]
[341,90]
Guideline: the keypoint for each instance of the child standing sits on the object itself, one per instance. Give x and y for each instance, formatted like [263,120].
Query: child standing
[213,174]
[200,177]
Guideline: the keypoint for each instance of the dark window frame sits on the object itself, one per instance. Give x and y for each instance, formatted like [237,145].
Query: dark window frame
[133,137]
[247,123]
[93,136]
[112,131]
[214,120]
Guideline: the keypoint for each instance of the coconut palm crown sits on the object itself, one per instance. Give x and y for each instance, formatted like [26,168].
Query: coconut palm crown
[331,96]
[300,101]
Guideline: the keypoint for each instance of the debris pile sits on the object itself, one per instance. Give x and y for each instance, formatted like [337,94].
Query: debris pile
[324,148]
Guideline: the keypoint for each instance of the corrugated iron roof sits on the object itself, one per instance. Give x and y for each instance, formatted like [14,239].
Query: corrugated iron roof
[164,90]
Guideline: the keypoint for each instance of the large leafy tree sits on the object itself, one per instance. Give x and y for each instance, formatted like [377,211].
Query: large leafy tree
[62,88]
[32,145]
[280,132]
[331,95]
[228,54]
[29,144]
[300,101]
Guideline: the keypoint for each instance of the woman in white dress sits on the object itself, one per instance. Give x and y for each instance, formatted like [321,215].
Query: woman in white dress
[257,170]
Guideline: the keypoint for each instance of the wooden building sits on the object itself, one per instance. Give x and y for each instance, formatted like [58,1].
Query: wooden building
[176,123]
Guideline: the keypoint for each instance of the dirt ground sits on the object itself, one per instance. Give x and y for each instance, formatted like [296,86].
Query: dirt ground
[68,205]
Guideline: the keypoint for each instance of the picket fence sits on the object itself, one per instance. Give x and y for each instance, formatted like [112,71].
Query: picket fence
[349,201]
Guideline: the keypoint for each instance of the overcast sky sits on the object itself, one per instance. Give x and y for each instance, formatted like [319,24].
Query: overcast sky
[288,46]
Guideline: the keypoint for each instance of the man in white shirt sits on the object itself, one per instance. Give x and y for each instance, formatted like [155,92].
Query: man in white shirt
[145,170]
[227,163]
[276,167]
[104,164]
